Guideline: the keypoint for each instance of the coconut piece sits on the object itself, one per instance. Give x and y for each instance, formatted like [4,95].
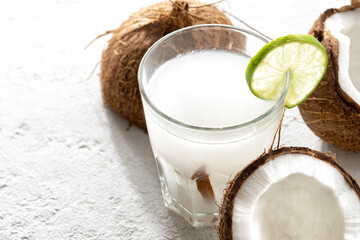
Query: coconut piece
[121,59]
[203,184]
[291,193]
[332,111]
[345,27]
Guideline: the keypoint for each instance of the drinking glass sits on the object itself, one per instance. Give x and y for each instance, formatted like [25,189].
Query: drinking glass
[196,162]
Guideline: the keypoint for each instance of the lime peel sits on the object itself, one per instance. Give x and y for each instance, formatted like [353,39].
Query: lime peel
[301,54]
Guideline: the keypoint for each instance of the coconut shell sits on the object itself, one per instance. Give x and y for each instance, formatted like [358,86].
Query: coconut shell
[130,41]
[226,210]
[329,112]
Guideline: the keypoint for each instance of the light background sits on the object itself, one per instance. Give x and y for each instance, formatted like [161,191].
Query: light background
[68,167]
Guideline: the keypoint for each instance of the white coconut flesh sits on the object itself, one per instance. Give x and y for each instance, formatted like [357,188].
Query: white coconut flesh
[296,197]
[345,27]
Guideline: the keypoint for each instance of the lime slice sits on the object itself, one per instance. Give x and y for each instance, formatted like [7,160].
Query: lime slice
[302,55]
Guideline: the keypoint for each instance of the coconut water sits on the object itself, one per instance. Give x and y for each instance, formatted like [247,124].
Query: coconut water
[207,92]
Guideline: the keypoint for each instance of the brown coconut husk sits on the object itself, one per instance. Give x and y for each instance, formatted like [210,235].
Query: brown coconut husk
[130,41]
[329,112]
[226,210]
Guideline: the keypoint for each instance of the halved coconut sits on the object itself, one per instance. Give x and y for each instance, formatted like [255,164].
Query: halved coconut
[291,193]
[332,111]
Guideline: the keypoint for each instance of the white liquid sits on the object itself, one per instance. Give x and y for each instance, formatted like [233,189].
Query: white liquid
[206,89]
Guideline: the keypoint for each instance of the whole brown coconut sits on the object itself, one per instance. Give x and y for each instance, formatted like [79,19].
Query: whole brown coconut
[329,112]
[121,59]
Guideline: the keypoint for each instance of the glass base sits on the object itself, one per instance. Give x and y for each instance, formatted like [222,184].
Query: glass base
[195,219]
[182,188]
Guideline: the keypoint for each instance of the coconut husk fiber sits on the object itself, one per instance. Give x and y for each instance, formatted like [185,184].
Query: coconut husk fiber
[130,41]
[329,112]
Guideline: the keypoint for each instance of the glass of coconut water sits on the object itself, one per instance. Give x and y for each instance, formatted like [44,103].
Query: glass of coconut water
[203,122]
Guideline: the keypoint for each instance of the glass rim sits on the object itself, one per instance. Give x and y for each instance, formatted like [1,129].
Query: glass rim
[195,127]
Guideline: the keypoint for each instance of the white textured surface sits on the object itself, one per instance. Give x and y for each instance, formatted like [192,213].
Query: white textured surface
[68,167]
